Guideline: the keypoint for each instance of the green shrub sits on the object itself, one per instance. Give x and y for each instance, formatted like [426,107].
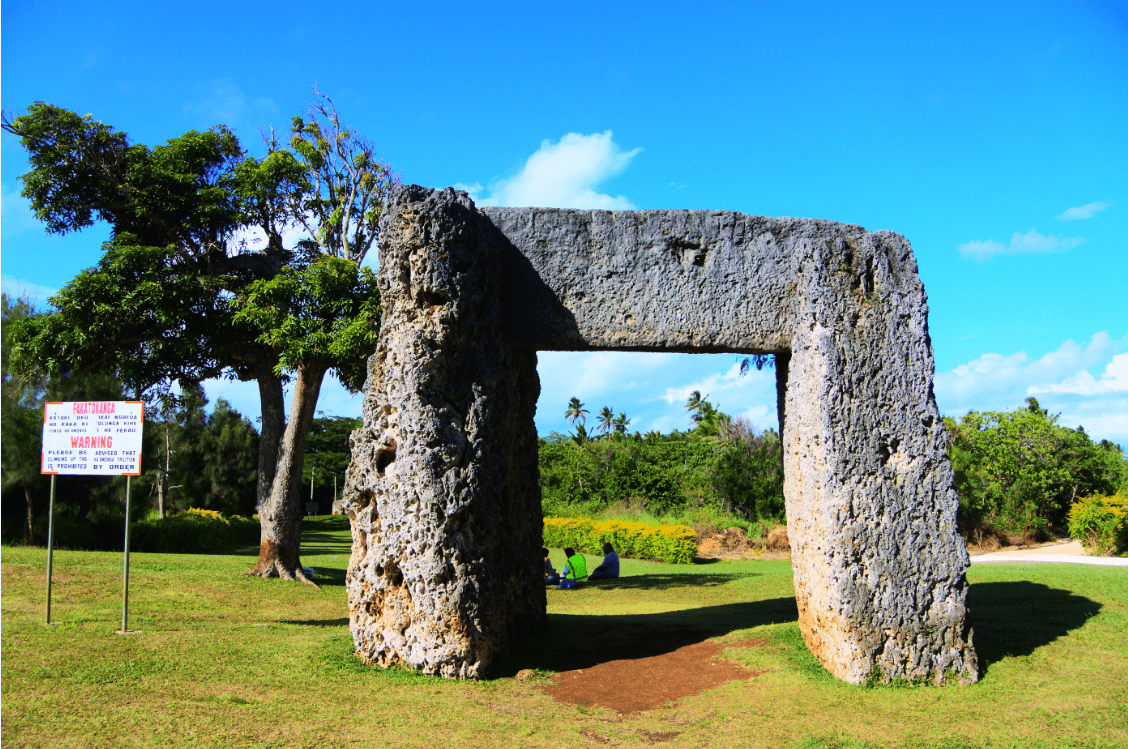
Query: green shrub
[670,543]
[193,530]
[72,531]
[1101,523]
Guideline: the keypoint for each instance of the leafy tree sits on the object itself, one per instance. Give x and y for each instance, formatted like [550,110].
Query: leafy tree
[22,418]
[230,444]
[340,196]
[749,471]
[155,308]
[178,296]
[711,423]
[741,471]
[1019,471]
[327,451]
[318,318]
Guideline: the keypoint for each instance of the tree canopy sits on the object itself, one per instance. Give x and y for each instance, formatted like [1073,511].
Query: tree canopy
[183,293]
[1019,471]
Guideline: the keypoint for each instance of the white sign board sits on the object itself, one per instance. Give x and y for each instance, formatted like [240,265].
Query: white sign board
[93,438]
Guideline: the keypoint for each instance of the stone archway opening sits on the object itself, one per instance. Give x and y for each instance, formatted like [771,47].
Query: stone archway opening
[443,494]
[651,388]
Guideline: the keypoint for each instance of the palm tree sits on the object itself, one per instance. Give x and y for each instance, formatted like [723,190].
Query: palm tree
[757,360]
[621,423]
[575,411]
[711,423]
[694,406]
[606,420]
[581,436]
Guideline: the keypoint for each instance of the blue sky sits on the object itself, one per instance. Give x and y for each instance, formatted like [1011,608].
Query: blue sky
[993,135]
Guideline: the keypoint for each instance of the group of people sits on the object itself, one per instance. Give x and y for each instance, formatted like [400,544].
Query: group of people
[575,567]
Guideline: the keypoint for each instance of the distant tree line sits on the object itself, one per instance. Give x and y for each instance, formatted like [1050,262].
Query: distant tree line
[192,456]
[1018,472]
[721,464]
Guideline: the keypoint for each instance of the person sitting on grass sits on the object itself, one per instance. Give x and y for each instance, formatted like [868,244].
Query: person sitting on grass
[609,569]
[576,566]
[550,576]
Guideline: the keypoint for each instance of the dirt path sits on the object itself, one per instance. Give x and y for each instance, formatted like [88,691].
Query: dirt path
[629,684]
[1069,552]
[646,670]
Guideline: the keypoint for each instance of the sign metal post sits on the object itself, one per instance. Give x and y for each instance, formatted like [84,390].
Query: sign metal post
[125,567]
[92,438]
[50,543]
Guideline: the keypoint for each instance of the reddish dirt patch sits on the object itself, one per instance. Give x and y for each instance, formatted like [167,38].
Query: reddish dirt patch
[629,685]
[732,543]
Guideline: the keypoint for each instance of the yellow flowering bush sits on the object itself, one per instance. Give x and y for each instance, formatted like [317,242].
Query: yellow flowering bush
[193,529]
[671,543]
[1101,523]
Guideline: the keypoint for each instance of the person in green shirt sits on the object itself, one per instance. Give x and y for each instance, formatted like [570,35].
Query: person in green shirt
[576,566]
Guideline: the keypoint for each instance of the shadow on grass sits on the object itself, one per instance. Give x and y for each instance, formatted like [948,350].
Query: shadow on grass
[342,622]
[574,641]
[664,581]
[328,577]
[1011,619]
[1016,618]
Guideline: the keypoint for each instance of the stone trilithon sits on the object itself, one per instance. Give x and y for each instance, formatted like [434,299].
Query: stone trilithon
[445,572]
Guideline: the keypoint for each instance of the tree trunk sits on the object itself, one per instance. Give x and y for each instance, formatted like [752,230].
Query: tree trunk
[273,426]
[162,485]
[281,515]
[30,518]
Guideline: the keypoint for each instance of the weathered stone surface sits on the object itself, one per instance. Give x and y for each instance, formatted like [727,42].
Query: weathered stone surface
[471,295]
[442,491]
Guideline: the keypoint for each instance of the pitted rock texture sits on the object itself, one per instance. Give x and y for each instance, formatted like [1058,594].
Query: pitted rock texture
[470,295]
[442,491]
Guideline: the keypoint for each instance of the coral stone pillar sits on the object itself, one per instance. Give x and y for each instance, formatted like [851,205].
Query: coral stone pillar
[442,492]
[871,512]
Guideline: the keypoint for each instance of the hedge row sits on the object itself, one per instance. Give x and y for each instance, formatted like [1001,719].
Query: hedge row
[671,543]
[1101,523]
[193,530]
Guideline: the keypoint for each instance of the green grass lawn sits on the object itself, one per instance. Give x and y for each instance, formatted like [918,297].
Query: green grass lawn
[226,660]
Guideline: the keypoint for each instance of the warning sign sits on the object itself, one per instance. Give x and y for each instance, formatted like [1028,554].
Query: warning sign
[93,438]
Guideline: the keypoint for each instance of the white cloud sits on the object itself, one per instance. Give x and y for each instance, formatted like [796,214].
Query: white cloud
[710,387]
[600,374]
[1083,211]
[1059,378]
[994,377]
[474,190]
[563,175]
[223,102]
[1030,243]
[1113,379]
[16,214]
[17,287]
